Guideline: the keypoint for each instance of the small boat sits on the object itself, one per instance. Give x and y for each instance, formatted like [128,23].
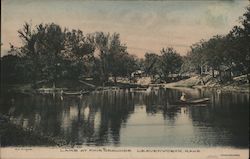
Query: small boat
[139,89]
[201,102]
[143,89]
[75,93]
[198,101]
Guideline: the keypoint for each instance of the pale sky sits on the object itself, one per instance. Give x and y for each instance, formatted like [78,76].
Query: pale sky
[144,26]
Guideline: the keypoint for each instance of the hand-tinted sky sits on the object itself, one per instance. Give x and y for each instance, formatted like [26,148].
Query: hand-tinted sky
[145,26]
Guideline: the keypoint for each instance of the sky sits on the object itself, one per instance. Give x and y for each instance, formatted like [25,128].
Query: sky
[144,26]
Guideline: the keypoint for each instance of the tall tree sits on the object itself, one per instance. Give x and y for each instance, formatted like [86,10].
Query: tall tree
[43,48]
[171,62]
[151,64]
[239,43]
[113,55]
[79,50]
[102,44]
[197,56]
[28,37]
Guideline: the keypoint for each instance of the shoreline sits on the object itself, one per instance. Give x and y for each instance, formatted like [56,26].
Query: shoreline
[194,82]
[240,86]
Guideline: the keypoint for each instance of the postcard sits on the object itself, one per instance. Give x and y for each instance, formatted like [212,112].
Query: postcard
[98,79]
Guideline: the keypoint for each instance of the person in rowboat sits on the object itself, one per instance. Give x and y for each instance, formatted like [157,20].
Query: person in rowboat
[183,97]
[193,101]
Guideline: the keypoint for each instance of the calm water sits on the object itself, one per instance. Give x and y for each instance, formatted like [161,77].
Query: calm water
[128,118]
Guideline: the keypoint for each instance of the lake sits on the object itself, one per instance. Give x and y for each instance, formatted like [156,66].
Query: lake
[136,118]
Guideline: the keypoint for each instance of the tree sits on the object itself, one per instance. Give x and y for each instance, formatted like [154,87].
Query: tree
[43,48]
[151,64]
[214,52]
[32,58]
[102,44]
[113,55]
[125,65]
[239,44]
[79,51]
[12,69]
[197,56]
[52,52]
[131,64]
[171,62]
[116,58]
[187,66]
[210,53]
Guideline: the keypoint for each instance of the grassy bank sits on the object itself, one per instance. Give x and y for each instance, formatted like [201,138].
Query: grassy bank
[237,84]
[67,85]
[12,135]
[30,88]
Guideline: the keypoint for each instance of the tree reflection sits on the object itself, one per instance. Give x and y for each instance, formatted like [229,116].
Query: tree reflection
[97,119]
[115,107]
[163,102]
[227,116]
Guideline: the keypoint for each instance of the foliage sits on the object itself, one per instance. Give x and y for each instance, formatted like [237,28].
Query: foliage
[171,62]
[151,64]
[231,51]
[114,59]
[51,53]
[167,63]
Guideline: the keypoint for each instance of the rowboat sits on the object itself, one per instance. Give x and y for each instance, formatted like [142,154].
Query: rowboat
[140,89]
[200,102]
[76,93]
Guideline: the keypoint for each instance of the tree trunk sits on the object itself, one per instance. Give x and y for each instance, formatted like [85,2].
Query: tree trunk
[115,79]
[199,69]
[213,72]
[103,74]
[230,74]
[220,78]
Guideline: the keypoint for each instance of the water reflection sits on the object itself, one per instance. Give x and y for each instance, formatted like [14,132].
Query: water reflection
[225,121]
[129,118]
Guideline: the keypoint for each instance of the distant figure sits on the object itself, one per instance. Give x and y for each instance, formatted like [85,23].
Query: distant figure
[149,89]
[183,97]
